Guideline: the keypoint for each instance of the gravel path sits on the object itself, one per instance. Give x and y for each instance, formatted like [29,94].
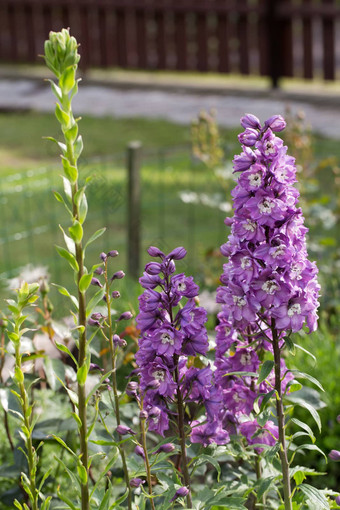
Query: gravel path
[180,107]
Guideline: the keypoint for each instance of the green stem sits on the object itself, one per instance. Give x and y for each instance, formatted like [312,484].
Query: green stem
[281,420]
[82,347]
[27,421]
[113,356]
[180,423]
[146,458]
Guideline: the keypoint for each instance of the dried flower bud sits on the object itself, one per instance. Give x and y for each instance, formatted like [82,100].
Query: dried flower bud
[180,493]
[118,275]
[122,430]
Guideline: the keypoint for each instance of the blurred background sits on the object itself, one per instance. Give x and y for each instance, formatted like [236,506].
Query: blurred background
[176,75]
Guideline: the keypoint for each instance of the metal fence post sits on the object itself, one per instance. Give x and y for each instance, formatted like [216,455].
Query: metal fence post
[134,150]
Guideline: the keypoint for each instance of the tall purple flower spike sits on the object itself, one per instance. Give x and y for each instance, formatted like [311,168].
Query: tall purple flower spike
[268,278]
[172,330]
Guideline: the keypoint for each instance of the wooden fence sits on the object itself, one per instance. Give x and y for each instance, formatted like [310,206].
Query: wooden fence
[265,37]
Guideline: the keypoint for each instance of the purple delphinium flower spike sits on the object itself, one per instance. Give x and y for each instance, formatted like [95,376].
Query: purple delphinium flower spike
[268,280]
[172,329]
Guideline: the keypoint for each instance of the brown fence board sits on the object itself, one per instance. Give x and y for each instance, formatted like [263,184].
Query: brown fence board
[202,35]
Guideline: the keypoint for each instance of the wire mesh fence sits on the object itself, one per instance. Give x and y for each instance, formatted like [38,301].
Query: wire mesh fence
[182,203]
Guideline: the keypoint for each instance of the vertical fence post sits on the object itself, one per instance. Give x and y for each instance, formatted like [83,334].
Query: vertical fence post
[134,150]
[273,42]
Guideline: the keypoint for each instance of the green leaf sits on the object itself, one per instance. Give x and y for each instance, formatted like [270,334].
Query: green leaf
[69,242]
[62,442]
[69,257]
[76,232]
[94,301]
[313,412]
[62,116]
[120,500]
[104,505]
[78,147]
[55,372]
[264,486]
[266,368]
[299,477]
[242,373]
[305,427]
[82,473]
[310,447]
[95,236]
[314,496]
[294,386]
[72,133]
[67,188]
[83,208]
[67,79]
[107,467]
[203,459]
[290,345]
[85,282]
[303,375]
[56,90]
[65,292]
[82,374]
[64,348]
[71,171]
[305,351]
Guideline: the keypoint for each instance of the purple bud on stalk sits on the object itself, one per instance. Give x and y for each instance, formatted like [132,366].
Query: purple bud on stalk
[155,252]
[92,322]
[166,448]
[143,415]
[275,123]
[118,275]
[115,294]
[103,256]
[337,500]
[334,455]
[153,268]
[131,388]
[139,451]
[122,343]
[177,254]
[122,430]
[248,137]
[93,366]
[96,282]
[338,418]
[113,253]
[97,316]
[99,270]
[136,482]
[250,121]
[180,493]
[125,316]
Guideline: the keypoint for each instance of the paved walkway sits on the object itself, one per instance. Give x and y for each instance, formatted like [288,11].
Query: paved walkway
[175,105]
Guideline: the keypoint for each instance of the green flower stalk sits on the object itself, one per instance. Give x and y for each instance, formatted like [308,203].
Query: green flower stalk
[61,56]
[26,296]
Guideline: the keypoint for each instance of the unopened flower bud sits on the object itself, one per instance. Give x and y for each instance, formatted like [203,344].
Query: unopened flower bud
[122,430]
[155,252]
[338,418]
[166,448]
[103,256]
[180,493]
[118,275]
[337,500]
[143,415]
[250,121]
[116,339]
[248,137]
[334,455]
[125,316]
[139,451]
[154,412]
[99,270]
[97,316]
[275,123]
[113,253]
[177,254]
[131,388]
[96,282]
[122,343]
[136,482]
[115,294]
[153,268]
[94,366]
[92,322]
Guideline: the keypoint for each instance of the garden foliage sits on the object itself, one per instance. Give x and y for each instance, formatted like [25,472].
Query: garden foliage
[199,419]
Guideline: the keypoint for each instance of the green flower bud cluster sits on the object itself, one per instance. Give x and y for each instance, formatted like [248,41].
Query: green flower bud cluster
[61,52]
